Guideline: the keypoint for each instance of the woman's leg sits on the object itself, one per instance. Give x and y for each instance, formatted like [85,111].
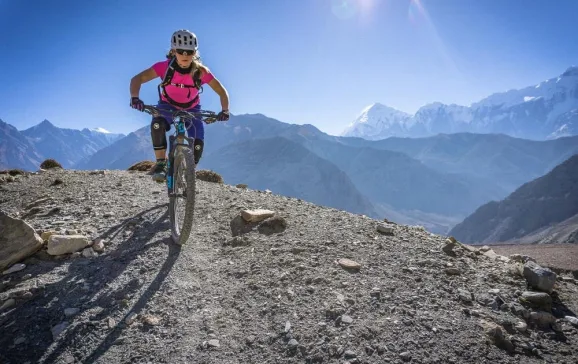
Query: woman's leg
[197,131]
[159,128]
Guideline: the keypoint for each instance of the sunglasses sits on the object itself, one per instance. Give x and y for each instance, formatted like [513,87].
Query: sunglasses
[186,52]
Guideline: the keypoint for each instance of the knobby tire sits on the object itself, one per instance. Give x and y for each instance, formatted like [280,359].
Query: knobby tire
[180,234]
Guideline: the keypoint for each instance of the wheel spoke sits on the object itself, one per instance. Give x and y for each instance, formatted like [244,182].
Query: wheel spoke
[181,214]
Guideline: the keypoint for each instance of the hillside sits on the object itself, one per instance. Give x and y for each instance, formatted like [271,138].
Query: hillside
[535,211]
[403,182]
[269,292]
[494,159]
[123,153]
[288,169]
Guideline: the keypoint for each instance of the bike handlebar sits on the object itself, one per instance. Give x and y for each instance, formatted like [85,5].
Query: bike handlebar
[205,115]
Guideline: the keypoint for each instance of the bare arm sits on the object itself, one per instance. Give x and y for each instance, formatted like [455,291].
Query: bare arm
[222,92]
[138,80]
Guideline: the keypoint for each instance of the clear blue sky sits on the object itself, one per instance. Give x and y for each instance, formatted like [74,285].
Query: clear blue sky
[299,61]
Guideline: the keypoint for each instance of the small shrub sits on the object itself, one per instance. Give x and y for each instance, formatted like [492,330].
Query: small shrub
[13,172]
[16,172]
[143,166]
[209,176]
[50,163]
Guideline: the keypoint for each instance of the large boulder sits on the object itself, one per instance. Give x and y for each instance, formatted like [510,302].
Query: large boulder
[18,240]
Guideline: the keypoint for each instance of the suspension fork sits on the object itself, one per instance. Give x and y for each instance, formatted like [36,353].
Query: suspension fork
[170,164]
[174,140]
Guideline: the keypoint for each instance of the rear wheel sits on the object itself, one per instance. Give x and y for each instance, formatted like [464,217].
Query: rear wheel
[182,202]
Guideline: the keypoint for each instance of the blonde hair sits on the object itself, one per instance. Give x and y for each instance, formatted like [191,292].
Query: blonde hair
[197,64]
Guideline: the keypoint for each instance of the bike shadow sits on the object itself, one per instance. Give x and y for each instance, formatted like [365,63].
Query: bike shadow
[87,286]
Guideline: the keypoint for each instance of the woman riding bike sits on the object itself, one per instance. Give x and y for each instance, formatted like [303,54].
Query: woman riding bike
[182,76]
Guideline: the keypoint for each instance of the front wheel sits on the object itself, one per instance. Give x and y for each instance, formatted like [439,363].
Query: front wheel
[182,200]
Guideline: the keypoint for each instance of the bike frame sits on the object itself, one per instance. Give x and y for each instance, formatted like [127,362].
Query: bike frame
[175,140]
[178,119]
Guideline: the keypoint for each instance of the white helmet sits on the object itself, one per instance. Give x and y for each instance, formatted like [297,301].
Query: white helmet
[184,39]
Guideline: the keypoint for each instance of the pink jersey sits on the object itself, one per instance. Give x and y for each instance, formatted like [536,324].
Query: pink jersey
[179,94]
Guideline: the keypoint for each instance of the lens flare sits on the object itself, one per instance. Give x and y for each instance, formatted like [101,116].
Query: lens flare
[418,16]
[415,10]
[343,9]
[346,9]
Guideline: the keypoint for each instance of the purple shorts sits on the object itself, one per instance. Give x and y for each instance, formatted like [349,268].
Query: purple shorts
[195,128]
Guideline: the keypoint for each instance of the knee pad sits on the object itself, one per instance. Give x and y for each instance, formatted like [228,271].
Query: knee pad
[198,149]
[158,130]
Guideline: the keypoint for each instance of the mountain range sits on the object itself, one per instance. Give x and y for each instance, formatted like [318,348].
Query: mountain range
[16,150]
[547,110]
[26,149]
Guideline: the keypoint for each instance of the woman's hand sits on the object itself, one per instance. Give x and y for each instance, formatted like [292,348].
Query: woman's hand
[223,115]
[136,103]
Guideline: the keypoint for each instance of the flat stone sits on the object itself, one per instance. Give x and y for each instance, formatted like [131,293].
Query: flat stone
[537,299]
[256,215]
[387,230]
[64,244]
[349,264]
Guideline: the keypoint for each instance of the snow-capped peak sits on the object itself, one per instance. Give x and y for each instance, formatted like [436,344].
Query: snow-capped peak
[546,110]
[572,71]
[375,119]
[380,113]
[101,130]
[545,90]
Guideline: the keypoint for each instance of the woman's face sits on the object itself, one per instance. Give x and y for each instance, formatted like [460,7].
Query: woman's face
[184,57]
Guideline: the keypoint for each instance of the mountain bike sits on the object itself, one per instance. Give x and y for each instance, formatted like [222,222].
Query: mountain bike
[181,177]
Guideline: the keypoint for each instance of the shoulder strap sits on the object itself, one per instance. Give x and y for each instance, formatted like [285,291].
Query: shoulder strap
[170,72]
[197,80]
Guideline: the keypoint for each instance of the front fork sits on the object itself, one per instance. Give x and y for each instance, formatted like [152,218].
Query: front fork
[170,165]
[173,142]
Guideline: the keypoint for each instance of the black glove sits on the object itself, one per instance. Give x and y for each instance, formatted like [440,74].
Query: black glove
[136,103]
[223,115]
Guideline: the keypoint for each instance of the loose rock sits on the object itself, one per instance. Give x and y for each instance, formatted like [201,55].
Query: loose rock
[64,244]
[540,278]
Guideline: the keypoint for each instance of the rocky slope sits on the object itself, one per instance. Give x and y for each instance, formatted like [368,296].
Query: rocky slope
[278,291]
[535,212]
